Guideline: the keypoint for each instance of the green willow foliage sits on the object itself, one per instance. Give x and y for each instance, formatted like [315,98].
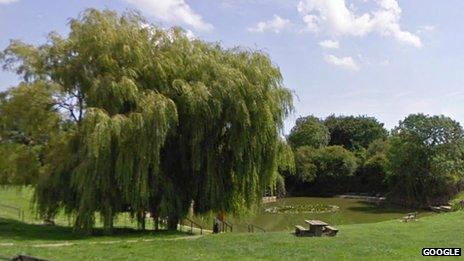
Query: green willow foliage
[285,167]
[161,120]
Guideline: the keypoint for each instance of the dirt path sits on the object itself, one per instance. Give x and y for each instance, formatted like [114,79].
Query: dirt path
[65,244]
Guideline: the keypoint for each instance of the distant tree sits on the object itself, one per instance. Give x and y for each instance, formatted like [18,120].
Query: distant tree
[28,120]
[309,131]
[334,162]
[19,164]
[160,120]
[373,171]
[324,164]
[354,132]
[28,115]
[306,168]
[379,146]
[425,159]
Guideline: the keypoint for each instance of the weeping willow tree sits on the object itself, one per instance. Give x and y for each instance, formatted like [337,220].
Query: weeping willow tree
[285,167]
[161,120]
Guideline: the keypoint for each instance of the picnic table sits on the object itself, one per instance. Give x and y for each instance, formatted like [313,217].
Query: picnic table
[410,217]
[316,227]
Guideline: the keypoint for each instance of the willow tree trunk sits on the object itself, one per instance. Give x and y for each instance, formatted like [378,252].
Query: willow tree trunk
[156,222]
[172,222]
[141,220]
[108,223]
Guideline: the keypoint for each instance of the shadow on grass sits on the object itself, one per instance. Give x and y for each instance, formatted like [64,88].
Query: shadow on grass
[11,229]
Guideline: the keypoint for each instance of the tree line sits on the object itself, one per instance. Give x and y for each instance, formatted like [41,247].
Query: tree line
[418,163]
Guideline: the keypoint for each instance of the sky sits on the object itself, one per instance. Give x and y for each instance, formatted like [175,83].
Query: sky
[381,58]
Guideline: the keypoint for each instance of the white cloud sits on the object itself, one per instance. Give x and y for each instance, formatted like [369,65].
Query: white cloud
[277,24]
[343,62]
[426,29]
[172,11]
[8,1]
[329,44]
[335,18]
[190,35]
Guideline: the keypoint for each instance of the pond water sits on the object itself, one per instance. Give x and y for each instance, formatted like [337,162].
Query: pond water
[351,211]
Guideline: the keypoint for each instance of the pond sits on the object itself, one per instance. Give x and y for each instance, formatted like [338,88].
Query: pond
[349,211]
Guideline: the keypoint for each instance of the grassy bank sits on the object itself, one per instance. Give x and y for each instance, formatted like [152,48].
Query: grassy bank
[384,240]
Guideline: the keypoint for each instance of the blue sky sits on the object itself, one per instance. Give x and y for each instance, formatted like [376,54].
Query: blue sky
[382,58]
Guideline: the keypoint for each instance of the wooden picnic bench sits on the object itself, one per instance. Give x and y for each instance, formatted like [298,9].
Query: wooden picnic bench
[410,217]
[330,231]
[301,231]
[316,227]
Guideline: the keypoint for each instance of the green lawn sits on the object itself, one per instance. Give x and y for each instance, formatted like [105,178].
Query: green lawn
[13,198]
[384,240]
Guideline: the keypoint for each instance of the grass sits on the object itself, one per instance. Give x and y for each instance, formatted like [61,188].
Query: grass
[385,240]
[13,198]
[380,241]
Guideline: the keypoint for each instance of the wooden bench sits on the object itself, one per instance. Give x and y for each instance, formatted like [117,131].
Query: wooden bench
[300,231]
[410,217]
[330,231]
[446,208]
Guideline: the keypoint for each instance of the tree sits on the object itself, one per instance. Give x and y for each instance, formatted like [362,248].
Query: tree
[334,162]
[285,167]
[306,168]
[328,167]
[28,119]
[161,120]
[354,132]
[373,173]
[425,160]
[309,131]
